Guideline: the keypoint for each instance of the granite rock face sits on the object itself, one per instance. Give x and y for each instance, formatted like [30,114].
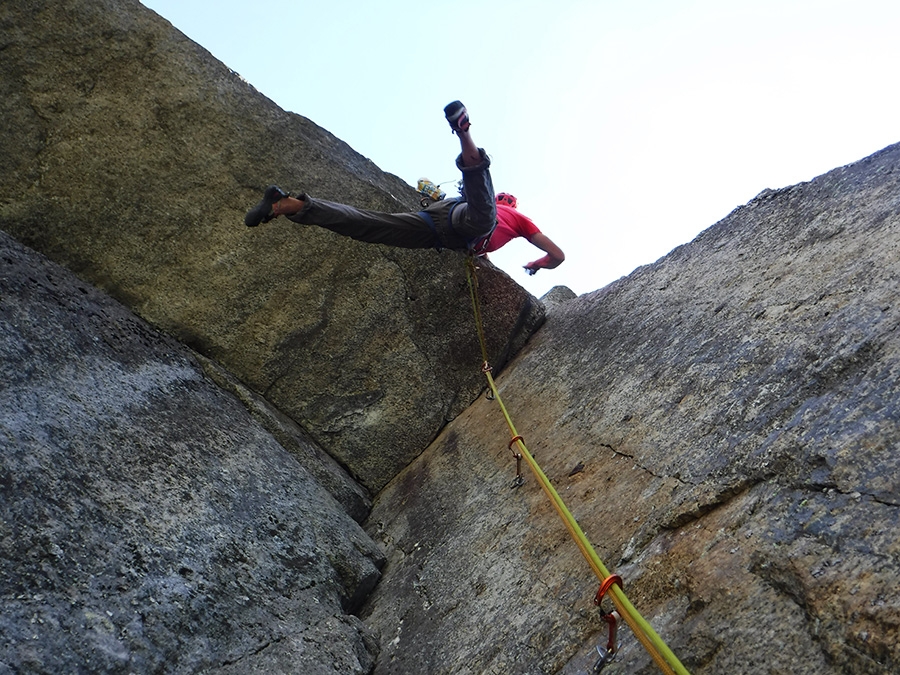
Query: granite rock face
[130,156]
[147,522]
[723,423]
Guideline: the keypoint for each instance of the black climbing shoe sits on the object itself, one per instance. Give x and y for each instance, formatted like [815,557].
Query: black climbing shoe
[262,212]
[457,116]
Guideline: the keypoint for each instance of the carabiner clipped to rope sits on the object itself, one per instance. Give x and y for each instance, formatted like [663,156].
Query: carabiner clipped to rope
[519,480]
[485,369]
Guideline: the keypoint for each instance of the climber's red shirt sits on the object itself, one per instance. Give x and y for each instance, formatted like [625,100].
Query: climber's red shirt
[510,224]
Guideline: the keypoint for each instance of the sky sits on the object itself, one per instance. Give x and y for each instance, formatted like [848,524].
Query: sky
[623,128]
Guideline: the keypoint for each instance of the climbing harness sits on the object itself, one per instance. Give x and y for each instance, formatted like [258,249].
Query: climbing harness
[474,245]
[610,584]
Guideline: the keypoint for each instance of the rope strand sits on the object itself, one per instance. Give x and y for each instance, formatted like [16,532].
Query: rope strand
[658,650]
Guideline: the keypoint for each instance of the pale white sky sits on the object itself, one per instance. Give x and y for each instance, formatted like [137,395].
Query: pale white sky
[624,128]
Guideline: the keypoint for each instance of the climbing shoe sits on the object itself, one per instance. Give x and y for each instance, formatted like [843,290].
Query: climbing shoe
[263,212]
[457,116]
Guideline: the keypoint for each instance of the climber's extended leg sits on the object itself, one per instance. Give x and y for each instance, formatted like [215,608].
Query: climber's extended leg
[454,224]
[478,217]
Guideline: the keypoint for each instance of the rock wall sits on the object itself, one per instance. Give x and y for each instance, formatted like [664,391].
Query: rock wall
[130,156]
[724,424]
[147,522]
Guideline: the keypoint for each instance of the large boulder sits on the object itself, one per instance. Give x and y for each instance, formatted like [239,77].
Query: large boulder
[723,423]
[130,156]
[147,522]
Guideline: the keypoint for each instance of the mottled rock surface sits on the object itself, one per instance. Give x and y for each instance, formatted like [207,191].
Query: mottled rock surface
[724,423]
[725,426]
[147,522]
[130,155]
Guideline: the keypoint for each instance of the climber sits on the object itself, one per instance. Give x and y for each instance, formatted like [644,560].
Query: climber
[512,224]
[475,222]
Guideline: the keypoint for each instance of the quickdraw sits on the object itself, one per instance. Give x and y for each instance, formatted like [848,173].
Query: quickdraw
[519,480]
[485,369]
[607,655]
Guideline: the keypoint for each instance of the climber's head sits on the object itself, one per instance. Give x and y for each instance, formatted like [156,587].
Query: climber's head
[506,199]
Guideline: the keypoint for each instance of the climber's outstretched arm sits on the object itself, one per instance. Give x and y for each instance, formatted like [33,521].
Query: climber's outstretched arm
[554,257]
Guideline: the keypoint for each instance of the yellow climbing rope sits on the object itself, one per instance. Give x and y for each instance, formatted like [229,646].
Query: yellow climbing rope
[662,655]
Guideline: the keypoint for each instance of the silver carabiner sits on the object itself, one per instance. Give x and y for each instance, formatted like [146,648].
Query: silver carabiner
[606,657]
